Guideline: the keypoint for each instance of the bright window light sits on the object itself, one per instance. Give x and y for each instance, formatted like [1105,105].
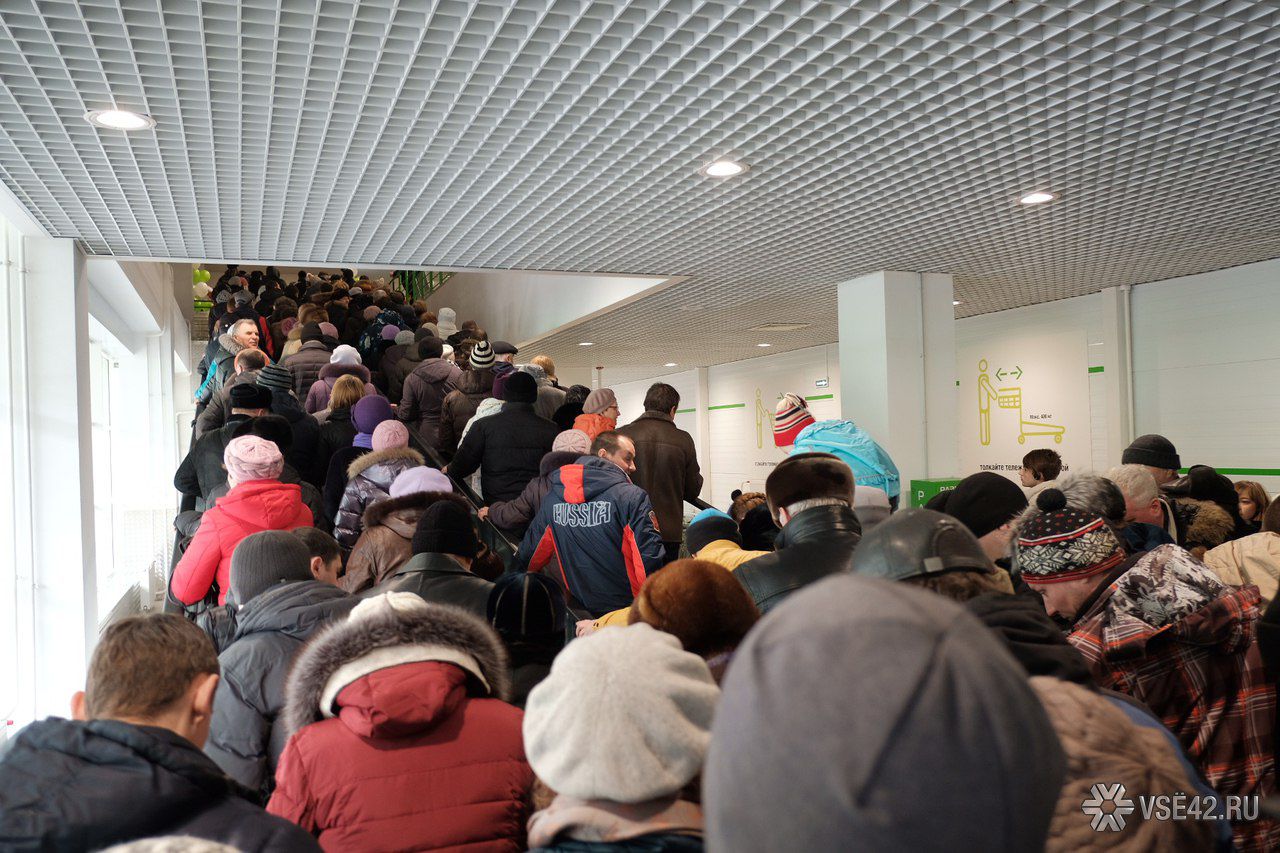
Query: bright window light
[119,119]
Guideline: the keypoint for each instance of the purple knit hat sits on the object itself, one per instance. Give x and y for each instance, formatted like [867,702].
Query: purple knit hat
[389,332]
[369,411]
[420,479]
[329,329]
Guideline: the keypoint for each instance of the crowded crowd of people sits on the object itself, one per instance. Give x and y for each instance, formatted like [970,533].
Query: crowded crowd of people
[353,662]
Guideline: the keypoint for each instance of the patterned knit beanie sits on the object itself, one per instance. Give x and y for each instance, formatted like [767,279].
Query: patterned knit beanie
[791,416]
[1064,544]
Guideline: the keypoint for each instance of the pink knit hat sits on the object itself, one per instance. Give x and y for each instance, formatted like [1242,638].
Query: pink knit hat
[572,441]
[789,418]
[389,434]
[329,329]
[251,457]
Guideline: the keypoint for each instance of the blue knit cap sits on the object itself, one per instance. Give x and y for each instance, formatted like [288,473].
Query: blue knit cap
[709,512]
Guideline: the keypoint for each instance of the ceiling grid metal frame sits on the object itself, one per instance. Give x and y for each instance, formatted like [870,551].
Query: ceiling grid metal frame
[566,135]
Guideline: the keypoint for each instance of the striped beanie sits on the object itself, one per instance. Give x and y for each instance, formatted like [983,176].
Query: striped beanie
[482,355]
[1062,544]
[791,416]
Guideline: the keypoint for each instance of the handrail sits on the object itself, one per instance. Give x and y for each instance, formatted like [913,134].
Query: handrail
[698,503]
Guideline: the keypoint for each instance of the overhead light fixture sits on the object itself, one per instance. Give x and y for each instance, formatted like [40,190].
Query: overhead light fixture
[669,364]
[587,344]
[955,302]
[764,345]
[723,169]
[779,327]
[1037,198]
[119,119]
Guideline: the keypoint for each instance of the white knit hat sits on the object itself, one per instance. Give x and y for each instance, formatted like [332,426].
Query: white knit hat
[345,354]
[625,715]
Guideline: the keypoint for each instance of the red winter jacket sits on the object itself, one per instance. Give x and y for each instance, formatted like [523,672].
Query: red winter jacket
[247,509]
[411,762]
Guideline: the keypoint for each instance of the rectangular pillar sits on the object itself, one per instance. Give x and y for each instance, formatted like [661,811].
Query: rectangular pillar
[897,367]
[58,478]
[702,439]
[1117,352]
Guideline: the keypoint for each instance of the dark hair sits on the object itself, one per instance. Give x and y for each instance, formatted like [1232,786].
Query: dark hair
[576,394]
[143,664]
[1271,517]
[319,544]
[661,397]
[1046,464]
[962,586]
[609,441]
[273,428]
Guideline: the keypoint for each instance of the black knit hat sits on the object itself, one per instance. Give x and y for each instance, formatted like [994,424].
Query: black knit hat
[520,388]
[274,428]
[311,332]
[983,502]
[248,395]
[430,348]
[709,526]
[527,606]
[275,376]
[262,560]
[445,528]
[1152,450]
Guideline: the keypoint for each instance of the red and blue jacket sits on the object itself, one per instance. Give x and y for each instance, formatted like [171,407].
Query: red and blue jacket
[596,534]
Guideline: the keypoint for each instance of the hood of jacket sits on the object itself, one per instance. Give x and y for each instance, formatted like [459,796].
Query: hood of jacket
[1204,524]
[229,343]
[871,465]
[593,424]
[310,346]
[476,381]
[1169,594]
[434,370]
[357,646]
[819,523]
[555,459]
[334,371]
[1021,623]
[269,504]
[296,609]
[85,811]
[392,455]
[1251,560]
[396,512]
[586,479]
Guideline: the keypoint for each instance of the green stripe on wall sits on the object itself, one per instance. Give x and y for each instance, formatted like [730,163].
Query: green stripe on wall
[685,411]
[1244,472]
[727,406]
[821,397]
[1096,369]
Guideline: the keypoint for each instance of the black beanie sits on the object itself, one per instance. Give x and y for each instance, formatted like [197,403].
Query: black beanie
[274,428]
[445,528]
[520,388]
[984,501]
[527,606]
[430,348]
[711,528]
[311,332]
[1152,450]
[262,560]
[247,395]
[758,529]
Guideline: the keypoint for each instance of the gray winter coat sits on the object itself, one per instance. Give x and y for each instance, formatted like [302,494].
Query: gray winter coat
[247,735]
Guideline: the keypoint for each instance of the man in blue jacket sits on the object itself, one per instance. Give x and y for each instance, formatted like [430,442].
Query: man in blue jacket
[596,532]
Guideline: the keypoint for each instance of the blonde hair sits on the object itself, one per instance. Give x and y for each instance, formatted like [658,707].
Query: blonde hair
[548,366]
[347,391]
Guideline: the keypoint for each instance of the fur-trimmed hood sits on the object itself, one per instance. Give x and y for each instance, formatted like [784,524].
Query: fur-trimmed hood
[229,343]
[417,502]
[334,371]
[445,627]
[1203,524]
[375,457]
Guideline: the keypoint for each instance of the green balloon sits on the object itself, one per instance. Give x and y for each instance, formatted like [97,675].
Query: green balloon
[204,276]
[195,276]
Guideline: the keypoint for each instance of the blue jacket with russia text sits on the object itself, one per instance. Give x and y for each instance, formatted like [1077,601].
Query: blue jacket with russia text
[594,533]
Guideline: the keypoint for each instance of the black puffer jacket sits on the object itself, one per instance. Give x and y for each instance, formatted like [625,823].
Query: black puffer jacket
[460,405]
[816,542]
[336,432]
[201,471]
[369,480]
[305,428]
[245,738]
[72,786]
[439,580]
[508,448]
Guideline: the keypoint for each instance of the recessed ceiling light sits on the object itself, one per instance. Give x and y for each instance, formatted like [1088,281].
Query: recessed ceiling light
[956,302]
[1037,198]
[723,169]
[119,119]
[764,345]
[669,364]
[587,344]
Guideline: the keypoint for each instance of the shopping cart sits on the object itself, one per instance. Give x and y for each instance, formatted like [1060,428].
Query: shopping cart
[1011,398]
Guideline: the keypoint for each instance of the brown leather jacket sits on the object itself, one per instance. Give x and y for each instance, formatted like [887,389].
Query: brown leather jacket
[666,468]
[386,542]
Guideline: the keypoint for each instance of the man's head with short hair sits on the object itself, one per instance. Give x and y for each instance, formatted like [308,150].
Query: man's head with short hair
[1141,493]
[616,448]
[159,670]
[806,480]
[661,397]
[1040,466]
[244,332]
[326,554]
[250,359]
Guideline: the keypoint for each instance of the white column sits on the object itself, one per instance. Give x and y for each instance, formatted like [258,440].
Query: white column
[58,481]
[1117,352]
[897,367]
[702,439]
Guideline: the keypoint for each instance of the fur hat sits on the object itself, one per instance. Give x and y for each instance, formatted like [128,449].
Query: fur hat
[599,400]
[624,715]
[262,560]
[1152,450]
[1062,544]
[250,457]
[420,478]
[248,395]
[807,476]
[698,602]
[789,417]
[572,441]
[520,388]
[445,528]
[389,434]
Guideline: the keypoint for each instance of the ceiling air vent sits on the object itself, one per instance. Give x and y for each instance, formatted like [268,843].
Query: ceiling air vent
[779,327]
